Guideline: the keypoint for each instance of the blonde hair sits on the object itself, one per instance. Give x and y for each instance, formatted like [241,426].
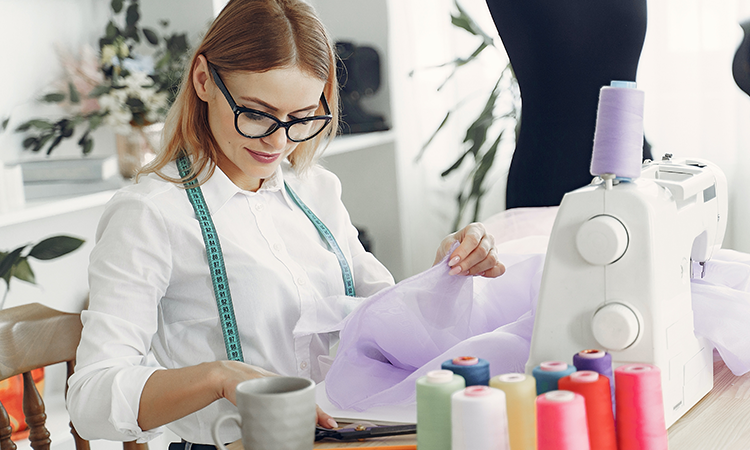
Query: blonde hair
[254,36]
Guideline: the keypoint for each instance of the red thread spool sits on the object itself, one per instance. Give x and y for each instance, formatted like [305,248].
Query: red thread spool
[561,421]
[640,408]
[594,388]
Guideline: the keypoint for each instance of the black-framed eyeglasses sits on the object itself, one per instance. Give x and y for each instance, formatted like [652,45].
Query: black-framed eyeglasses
[255,124]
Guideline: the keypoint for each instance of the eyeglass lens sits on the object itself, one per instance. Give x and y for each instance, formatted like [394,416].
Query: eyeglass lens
[252,124]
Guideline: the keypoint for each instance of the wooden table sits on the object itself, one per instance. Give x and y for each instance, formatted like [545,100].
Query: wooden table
[720,421]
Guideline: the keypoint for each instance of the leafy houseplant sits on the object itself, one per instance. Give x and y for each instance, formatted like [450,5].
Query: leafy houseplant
[501,113]
[119,88]
[15,263]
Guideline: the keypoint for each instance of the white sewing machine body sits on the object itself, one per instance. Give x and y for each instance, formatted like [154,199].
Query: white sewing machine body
[618,269]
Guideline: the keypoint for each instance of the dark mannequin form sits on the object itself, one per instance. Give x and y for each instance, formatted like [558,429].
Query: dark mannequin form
[562,53]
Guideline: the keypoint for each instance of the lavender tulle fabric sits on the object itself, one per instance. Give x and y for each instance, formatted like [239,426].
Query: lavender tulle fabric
[401,333]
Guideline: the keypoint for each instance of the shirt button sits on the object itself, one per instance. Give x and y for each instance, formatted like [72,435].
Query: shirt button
[277,247]
[303,365]
[301,281]
[259,206]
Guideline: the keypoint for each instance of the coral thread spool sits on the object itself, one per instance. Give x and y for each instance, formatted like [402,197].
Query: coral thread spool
[599,361]
[520,395]
[548,373]
[561,421]
[594,387]
[640,408]
[476,371]
[434,392]
[479,419]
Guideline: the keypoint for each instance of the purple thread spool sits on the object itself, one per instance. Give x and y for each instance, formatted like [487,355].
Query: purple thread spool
[618,139]
[598,361]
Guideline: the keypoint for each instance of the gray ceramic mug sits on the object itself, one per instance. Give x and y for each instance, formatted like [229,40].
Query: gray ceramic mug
[275,413]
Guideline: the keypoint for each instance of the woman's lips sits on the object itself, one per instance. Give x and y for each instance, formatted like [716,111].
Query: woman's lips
[265,158]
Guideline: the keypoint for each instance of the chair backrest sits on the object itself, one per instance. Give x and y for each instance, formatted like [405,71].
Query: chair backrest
[34,336]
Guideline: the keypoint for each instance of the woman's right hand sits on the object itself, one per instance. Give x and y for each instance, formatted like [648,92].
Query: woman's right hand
[232,373]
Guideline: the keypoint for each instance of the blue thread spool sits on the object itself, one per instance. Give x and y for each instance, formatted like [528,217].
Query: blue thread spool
[548,373]
[476,371]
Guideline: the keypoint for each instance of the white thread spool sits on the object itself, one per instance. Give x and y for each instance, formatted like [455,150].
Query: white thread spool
[479,419]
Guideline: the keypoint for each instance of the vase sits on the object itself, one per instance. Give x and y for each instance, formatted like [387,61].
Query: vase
[136,148]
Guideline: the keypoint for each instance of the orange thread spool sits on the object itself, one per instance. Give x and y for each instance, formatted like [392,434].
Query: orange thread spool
[640,408]
[594,388]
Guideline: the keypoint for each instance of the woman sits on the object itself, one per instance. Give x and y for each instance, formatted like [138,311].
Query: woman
[258,101]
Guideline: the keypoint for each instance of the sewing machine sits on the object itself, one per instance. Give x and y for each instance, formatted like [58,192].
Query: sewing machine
[617,274]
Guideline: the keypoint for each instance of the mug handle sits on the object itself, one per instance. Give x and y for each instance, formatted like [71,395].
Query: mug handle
[215,431]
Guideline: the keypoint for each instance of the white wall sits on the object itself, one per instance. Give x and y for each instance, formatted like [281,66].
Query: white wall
[31,31]
[693,106]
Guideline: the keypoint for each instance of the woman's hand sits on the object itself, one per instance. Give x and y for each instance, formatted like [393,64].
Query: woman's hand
[325,420]
[235,373]
[475,255]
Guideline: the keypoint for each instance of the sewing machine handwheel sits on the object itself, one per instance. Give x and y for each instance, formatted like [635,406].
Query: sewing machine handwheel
[615,326]
[602,240]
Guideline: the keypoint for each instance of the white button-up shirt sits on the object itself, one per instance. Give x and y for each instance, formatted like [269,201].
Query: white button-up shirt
[151,295]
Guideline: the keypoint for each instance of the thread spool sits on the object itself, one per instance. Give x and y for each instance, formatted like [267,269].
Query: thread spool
[599,361]
[434,392]
[594,387]
[479,419]
[618,138]
[640,408]
[561,421]
[548,373]
[520,395]
[476,371]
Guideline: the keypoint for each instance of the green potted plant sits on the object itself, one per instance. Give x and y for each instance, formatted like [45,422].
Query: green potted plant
[15,263]
[127,85]
[498,120]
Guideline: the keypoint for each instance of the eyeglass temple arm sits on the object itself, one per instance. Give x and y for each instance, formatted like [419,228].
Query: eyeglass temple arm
[222,87]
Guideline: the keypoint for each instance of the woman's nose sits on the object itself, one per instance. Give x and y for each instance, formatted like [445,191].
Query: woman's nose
[277,139]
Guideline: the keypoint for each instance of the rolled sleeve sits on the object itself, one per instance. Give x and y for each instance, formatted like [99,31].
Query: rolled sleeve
[128,274]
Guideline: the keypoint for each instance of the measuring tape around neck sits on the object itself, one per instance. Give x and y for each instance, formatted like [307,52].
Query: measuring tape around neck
[216,259]
[215,263]
[327,236]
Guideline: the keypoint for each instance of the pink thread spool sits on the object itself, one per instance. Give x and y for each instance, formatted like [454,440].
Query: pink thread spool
[561,421]
[618,139]
[640,408]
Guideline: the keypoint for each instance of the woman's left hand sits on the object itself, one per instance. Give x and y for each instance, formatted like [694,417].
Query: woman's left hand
[475,255]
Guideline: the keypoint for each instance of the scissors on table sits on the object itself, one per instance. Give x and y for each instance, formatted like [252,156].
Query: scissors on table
[362,431]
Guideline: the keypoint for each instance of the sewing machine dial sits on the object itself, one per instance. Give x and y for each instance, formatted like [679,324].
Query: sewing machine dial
[602,240]
[615,326]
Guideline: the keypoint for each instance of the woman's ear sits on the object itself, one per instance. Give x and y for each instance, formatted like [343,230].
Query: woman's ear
[201,78]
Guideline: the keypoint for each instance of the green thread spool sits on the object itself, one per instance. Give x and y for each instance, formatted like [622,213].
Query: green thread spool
[520,395]
[434,392]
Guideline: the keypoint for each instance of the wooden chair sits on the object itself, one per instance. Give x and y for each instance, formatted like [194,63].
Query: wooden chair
[34,336]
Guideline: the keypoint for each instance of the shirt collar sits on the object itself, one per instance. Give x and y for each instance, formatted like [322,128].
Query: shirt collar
[219,189]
